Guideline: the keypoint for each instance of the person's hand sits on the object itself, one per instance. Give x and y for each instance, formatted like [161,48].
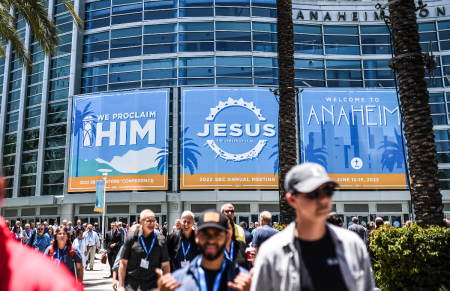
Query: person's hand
[121,288]
[166,282]
[112,245]
[114,284]
[85,253]
[253,254]
[241,282]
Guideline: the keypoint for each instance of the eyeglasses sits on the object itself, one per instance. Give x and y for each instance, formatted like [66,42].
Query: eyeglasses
[228,211]
[40,229]
[327,190]
[149,221]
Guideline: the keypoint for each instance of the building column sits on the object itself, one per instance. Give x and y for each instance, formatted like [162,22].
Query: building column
[174,209]
[67,212]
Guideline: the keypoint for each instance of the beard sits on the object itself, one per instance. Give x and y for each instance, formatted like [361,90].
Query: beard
[211,257]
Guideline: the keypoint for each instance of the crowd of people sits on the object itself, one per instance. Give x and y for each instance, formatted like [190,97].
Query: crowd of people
[213,252]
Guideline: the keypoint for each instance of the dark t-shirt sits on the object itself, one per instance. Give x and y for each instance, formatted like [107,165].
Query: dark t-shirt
[211,277]
[180,256]
[320,269]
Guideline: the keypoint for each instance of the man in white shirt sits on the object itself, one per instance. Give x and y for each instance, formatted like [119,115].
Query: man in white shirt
[94,242]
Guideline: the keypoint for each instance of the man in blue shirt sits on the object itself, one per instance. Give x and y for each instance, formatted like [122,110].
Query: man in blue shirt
[265,231]
[40,241]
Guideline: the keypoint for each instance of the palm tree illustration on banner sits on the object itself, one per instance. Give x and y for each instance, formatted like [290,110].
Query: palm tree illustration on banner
[393,152]
[163,158]
[188,153]
[277,160]
[78,127]
[315,155]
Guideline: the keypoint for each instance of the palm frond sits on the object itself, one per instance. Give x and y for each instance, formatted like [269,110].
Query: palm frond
[77,20]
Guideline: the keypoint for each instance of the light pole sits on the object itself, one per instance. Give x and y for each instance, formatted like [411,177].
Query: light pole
[104,176]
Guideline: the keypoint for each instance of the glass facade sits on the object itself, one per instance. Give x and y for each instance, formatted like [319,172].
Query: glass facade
[131,44]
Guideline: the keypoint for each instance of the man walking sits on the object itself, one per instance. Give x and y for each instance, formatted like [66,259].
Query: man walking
[256,227]
[165,232]
[228,210]
[181,244]
[94,243]
[248,235]
[113,242]
[356,228]
[143,252]
[211,270]
[298,257]
[40,240]
[265,231]
[122,230]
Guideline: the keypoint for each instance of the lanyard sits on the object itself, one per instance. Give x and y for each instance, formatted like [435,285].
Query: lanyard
[38,241]
[185,252]
[145,248]
[80,244]
[17,235]
[202,277]
[62,254]
[230,255]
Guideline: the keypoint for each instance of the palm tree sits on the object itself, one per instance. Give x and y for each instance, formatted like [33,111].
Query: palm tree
[418,125]
[313,155]
[276,163]
[287,131]
[163,159]
[77,124]
[42,27]
[187,154]
[393,155]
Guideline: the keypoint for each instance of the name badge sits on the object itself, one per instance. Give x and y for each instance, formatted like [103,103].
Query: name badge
[185,263]
[144,263]
[36,249]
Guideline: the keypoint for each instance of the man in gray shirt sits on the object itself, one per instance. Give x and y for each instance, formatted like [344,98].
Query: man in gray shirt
[358,229]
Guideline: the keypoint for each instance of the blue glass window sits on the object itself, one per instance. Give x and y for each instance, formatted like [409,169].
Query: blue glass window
[196,72]
[233,46]
[196,62]
[94,81]
[123,53]
[344,74]
[124,77]
[126,18]
[64,61]
[437,97]
[157,64]
[63,28]
[159,74]
[235,36]
[264,47]
[154,5]
[262,36]
[380,83]
[348,64]
[378,74]
[342,50]
[160,14]
[339,84]
[375,39]
[265,3]
[427,26]
[127,9]
[437,120]
[307,39]
[374,29]
[339,39]
[124,42]
[443,24]
[196,26]
[309,74]
[376,49]
[310,83]
[123,67]
[445,45]
[99,46]
[310,29]
[240,26]
[96,24]
[375,64]
[429,36]
[59,84]
[97,14]
[265,72]
[196,81]
[160,49]
[196,12]
[118,2]
[162,28]
[233,61]
[98,5]
[94,89]
[159,83]
[437,108]
[197,47]
[223,11]
[96,37]
[196,36]
[93,71]
[444,35]
[233,81]
[95,57]
[126,32]
[124,86]
[196,3]
[308,49]
[264,12]
[333,29]
[425,46]
[160,38]
[234,71]
[63,19]
[263,26]
[62,50]
[266,82]
[233,3]
[308,64]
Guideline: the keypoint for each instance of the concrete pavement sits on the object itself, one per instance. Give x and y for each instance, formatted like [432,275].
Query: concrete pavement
[94,280]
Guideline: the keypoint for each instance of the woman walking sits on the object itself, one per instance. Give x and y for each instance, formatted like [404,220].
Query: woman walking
[80,243]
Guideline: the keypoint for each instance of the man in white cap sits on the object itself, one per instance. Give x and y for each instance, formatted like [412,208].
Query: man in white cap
[298,257]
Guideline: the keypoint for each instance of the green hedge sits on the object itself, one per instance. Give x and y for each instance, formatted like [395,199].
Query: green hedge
[411,259]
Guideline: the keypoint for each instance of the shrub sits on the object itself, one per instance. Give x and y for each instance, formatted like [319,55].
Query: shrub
[411,259]
[279,227]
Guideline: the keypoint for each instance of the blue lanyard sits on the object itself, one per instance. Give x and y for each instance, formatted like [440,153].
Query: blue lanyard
[145,248]
[185,252]
[39,241]
[58,258]
[230,255]
[202,277]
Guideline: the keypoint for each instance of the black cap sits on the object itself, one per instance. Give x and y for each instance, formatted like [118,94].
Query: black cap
[212,218]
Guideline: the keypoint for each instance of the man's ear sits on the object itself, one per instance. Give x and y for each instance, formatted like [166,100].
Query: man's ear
[196,236]
[291,199]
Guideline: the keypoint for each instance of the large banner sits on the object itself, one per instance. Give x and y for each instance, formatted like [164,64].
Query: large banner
[355,134]
[126,132]
[229,138]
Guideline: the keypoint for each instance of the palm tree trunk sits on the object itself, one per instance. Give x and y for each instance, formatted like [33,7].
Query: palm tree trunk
[287,149]
[418,125]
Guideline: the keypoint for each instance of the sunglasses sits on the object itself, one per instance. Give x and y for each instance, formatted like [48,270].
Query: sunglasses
[328,191]
[228,211]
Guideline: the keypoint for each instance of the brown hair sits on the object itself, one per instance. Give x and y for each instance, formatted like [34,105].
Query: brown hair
[232,227]
[58,230]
